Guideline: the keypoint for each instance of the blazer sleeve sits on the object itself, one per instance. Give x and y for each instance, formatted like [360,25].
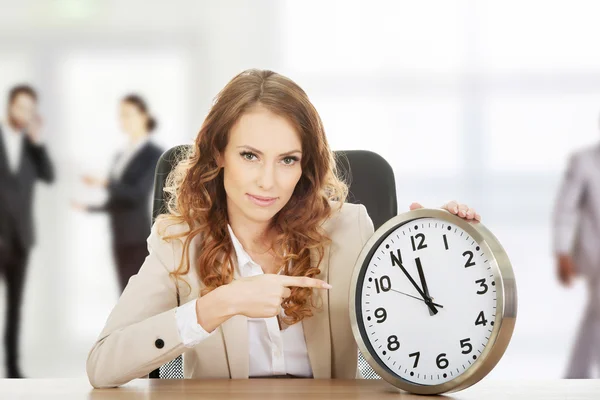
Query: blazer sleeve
[566,209]
[43,166]
[141,332]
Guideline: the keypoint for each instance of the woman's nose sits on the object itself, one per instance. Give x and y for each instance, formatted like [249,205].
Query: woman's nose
[266,178]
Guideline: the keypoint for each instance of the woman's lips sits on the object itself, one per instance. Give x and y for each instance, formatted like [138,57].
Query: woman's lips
[262,201]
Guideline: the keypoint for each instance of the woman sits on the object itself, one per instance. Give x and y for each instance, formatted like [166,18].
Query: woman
[129,186]
[256,231]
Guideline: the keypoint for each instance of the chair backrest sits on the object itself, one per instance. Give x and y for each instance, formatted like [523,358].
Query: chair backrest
[165,165]
[371,183]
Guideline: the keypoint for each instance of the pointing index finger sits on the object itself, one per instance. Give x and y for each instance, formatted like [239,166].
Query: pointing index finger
[303,281]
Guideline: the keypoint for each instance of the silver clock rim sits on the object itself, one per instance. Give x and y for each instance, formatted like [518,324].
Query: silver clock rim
[506,303]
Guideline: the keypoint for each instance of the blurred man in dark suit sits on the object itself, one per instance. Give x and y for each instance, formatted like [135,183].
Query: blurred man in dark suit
[23,160]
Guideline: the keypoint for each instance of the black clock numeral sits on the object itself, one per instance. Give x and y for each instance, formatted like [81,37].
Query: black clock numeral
[481,319]
[396,260]
[393,343]
[469,262]
[465,343]
[421,245]
[446,242]
[385,284]
[442,361]
[483,286]
[381,315]
[416,355]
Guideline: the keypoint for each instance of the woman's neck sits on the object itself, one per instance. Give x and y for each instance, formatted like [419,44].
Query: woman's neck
[254,236]
[137,137]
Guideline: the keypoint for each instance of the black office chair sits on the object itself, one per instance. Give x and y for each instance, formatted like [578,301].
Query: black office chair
[371,183]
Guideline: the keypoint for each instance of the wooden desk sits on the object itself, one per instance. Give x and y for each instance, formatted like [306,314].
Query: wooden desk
[287,389]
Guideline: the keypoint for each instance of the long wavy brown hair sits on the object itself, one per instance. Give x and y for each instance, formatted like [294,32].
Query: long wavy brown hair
[196,193]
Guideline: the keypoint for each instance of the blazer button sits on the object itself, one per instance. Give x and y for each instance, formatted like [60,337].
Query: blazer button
[159,343]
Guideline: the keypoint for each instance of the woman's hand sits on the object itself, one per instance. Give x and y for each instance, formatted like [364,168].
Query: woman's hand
[94,181]
[261,296]
[78,206]
[258,296]
[462,210]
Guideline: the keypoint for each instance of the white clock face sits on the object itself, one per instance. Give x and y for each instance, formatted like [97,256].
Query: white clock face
[433,329]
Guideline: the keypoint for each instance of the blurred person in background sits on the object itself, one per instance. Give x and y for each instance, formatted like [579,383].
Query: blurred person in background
[576,237]
[23,161]
[129,187]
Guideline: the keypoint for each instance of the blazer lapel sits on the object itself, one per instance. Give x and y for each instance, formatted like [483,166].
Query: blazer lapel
[23,163]
[132,164]
[317,332]
[235,335]
[3,153]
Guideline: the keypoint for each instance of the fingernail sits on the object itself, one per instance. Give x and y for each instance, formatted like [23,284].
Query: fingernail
[455,209]
[327,286]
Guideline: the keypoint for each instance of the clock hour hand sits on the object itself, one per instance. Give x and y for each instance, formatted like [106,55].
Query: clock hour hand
[423,282]
[425,298]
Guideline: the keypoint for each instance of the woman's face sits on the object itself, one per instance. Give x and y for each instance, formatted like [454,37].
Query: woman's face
[261,165]
[132,119]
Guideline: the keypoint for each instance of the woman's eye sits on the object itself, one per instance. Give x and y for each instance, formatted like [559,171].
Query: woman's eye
[289,160]
[248,156]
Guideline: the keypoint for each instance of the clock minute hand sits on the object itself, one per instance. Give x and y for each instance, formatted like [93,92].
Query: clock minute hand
[425,298]
[415,297]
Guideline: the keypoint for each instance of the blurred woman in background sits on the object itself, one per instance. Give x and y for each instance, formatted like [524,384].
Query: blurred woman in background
[129,186]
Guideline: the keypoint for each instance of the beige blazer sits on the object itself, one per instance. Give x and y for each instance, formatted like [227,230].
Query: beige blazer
[141,332]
